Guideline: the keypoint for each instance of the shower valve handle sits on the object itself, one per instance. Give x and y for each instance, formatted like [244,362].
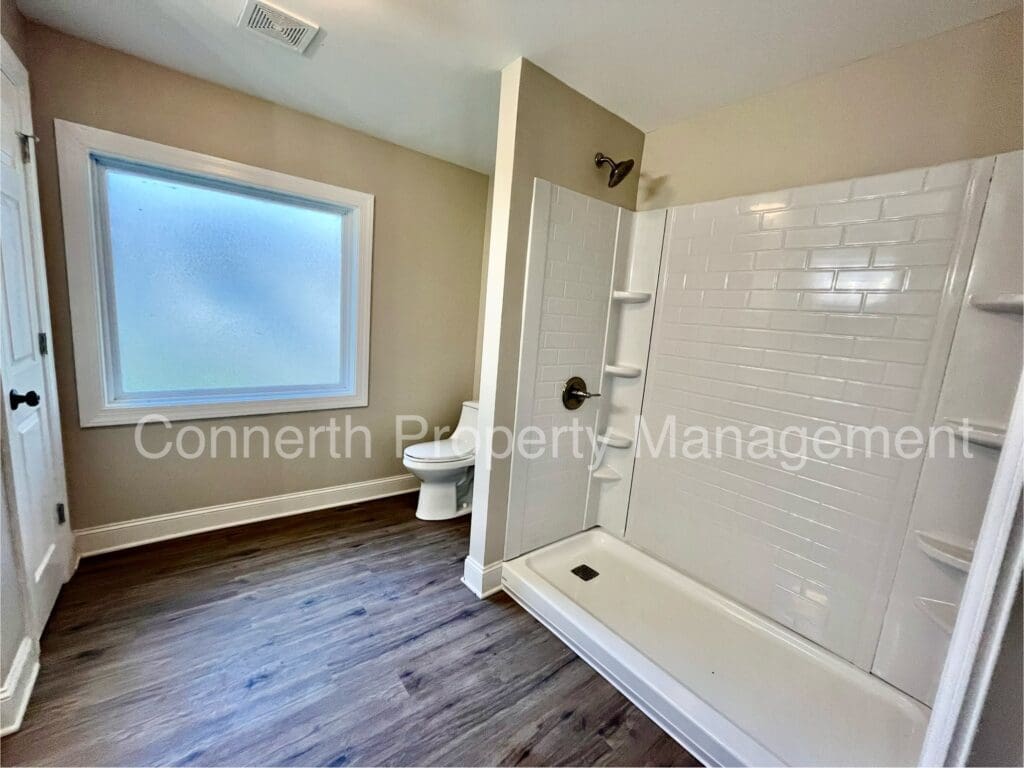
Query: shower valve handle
[575,393]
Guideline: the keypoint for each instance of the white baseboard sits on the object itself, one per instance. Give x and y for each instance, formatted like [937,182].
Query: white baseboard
[134,533]
[17,686]
[482,581]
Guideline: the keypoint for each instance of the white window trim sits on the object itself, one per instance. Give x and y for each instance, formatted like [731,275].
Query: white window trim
[76,146]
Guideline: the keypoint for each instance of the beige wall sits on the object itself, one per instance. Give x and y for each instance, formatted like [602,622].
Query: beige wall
[545,130]
[558,132]
[13,27]
[428,237]
[952,96]
[999,739]
[483,289]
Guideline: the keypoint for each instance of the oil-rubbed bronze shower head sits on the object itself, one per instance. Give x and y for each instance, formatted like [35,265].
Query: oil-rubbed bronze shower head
[619,170]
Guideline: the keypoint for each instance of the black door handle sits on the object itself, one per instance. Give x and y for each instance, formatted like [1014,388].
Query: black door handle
[30,398]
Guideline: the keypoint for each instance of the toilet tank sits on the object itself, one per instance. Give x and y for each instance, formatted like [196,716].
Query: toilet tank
[465,432]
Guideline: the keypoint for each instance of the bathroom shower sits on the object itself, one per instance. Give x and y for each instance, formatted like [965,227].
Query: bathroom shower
[775,311]
[619,170]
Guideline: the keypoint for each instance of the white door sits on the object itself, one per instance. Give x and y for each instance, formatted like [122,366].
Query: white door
[29,405]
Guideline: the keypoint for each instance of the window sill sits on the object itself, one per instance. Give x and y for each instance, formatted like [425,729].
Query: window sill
[121,414]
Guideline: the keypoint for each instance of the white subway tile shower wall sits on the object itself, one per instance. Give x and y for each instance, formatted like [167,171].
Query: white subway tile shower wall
[808,307]
[568,288]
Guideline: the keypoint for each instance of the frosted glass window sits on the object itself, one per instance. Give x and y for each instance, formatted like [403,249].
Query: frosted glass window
[201,287]
[221,289]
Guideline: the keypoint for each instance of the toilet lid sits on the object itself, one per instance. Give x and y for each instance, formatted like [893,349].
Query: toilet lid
[439,450]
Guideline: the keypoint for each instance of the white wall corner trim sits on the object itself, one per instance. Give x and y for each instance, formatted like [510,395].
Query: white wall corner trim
[134,533]
[17,687]
[483,581]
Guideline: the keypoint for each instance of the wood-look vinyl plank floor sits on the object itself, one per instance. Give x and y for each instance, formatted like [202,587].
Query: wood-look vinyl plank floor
[341,637]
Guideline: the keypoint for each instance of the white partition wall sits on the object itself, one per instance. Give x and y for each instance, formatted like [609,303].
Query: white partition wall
[831,305]
[568,285]
[591,276]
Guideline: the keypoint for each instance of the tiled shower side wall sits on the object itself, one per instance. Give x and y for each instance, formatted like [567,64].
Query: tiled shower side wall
[811,307]
[568,288]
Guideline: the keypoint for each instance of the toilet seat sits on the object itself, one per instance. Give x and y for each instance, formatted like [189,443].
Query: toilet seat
[439,452]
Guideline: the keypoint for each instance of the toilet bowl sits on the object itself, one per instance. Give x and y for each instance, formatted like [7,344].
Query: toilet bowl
[445,470]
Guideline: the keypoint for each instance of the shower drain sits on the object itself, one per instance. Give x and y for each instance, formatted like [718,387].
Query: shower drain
[585,572]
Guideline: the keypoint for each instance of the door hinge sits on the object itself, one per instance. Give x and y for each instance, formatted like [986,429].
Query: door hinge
[61,516]
[44,344]
[26,150]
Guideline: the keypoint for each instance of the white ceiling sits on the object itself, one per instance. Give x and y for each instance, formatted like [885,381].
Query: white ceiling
[424,73]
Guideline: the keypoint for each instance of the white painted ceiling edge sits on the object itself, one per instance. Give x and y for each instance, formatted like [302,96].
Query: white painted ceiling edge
[425,74]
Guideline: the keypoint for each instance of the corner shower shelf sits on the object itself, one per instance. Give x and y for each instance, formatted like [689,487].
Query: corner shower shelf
[623,371]
[631,297]
[985,435]
[1007,303]
[945,549]
[939,611]
[615,440]
[606,474]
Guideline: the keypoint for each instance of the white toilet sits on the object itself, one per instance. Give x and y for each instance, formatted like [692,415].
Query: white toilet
[445,469]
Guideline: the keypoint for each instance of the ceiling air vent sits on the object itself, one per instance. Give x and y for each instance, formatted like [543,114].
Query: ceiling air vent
[275,24]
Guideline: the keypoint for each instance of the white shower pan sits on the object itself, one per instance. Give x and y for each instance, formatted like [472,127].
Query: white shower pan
[731,686]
